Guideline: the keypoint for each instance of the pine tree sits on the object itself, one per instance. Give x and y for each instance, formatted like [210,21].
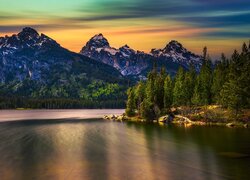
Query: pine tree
[159,89]
[139,95]
[204,53]
[197,95]
[231,96]
[168,92]
[219,78]
[179,95]
[189,84]
[131,105]
[147,107]
[244,49]
[150,88]
[202,91]
[147,111]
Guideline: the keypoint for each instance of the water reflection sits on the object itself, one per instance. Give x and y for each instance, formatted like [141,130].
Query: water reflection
[97,149]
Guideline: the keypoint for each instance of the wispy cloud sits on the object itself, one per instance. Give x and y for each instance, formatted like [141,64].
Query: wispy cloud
[227,34]
[41,27]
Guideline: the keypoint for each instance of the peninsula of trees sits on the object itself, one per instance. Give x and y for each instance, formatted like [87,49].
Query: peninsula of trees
[225,83]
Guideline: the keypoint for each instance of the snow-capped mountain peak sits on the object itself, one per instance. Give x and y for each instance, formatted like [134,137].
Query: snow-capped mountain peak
[176,52]
[174,46]
[97,41]
[27,38]
[98,37]
[131,62]
[126,50]
[123,59]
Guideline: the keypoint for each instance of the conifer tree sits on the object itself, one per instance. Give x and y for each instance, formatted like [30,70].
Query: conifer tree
[168,92]
[179,95]
[139,95]
[147,107]
[131,105]
[159,89]
[197,95]
[219,78]
[244,49]
[231,96]
[150,90]
[147,111]
[189,84]
[204,53]
[202,94]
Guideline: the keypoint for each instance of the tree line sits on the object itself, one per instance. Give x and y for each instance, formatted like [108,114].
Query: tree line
[58,103]
[225,82]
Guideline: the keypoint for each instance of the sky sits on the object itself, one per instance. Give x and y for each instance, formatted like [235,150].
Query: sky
[221,25]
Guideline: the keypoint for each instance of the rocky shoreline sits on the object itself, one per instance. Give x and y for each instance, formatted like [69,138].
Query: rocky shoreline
[178,120]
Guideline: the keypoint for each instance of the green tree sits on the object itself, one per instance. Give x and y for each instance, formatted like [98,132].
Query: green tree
[219,78]
[189,84]
[179,95]
[231,95]
[131,106]
[202,92]
[168,92]
[147,110]
[139,96]
[197,96]
[159,89]
[150,86]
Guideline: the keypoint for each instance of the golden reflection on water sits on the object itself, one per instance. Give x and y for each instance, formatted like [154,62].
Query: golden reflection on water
[97,149]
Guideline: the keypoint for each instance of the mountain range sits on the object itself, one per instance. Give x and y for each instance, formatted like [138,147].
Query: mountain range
[34,65]
[137,63]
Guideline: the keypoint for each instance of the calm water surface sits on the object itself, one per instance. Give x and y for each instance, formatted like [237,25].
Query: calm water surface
[63,144]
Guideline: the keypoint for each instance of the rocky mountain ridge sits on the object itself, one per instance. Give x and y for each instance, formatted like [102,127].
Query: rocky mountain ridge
[137,63]
[34,65]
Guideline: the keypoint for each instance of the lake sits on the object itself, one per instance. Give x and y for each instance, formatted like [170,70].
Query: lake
[78,144]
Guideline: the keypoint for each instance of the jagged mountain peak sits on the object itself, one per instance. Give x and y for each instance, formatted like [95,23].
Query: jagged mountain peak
[98,41]
[126,50]
[174,45]
[125,47]
[28,32]
[27,38]
[98,36]
[174,42]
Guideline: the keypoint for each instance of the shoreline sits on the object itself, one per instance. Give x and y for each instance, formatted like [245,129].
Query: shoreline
[10,115]
[178,120]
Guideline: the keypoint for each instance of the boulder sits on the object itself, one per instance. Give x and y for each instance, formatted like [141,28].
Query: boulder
[230,124]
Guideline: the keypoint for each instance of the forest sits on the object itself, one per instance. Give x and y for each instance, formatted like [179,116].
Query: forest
[224,83]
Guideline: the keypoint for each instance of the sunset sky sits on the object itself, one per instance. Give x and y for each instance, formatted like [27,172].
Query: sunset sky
[221,25]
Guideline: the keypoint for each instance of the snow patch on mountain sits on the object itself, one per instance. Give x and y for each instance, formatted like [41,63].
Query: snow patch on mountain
[131,62]
[175,52]
[123,59]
